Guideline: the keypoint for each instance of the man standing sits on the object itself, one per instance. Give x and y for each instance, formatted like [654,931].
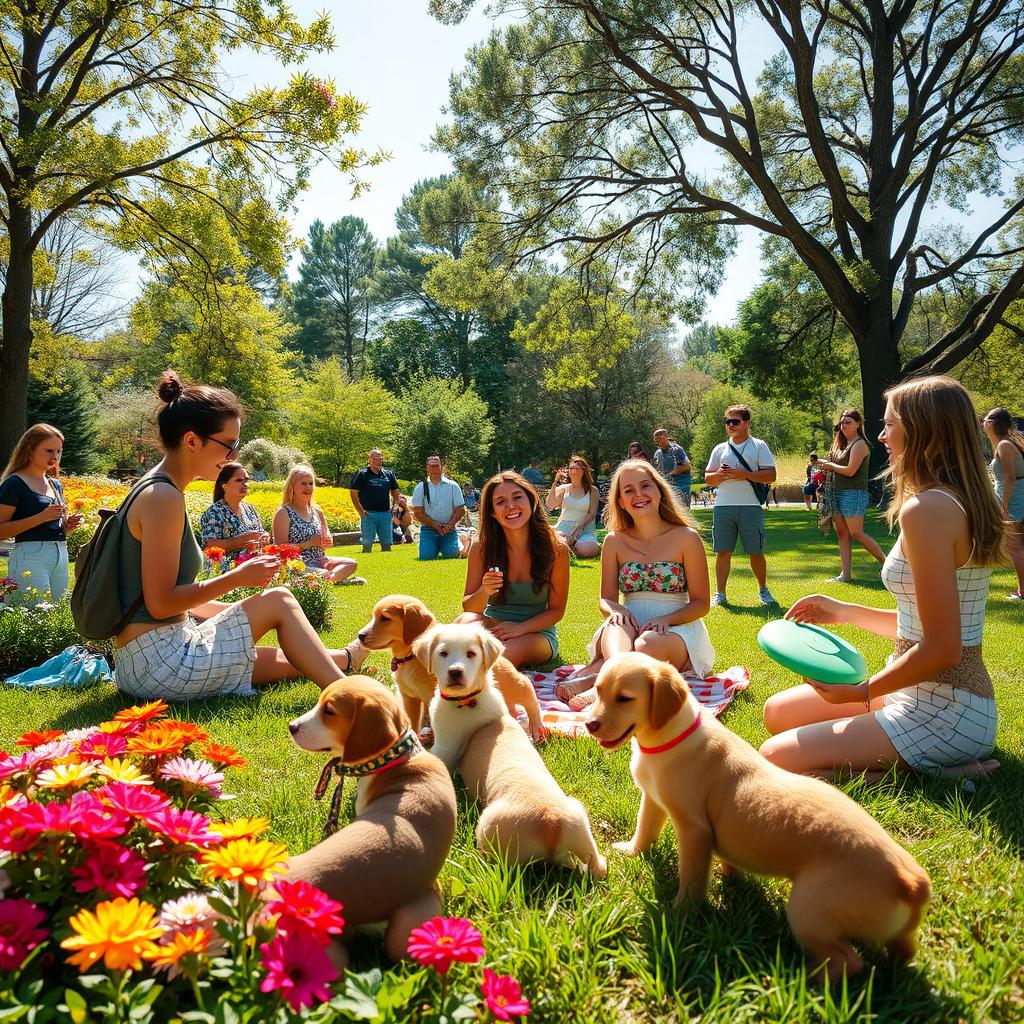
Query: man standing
[673,463]
[438,505]
[374,490]
[534,475]
[734,467]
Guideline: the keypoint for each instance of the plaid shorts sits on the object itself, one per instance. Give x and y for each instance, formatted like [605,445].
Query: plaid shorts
[188,660]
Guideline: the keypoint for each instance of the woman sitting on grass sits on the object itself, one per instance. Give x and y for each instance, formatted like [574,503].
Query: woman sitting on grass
[517,574]
[932,707]
[301,521]
[164,652]
[231,523]
[654,556]
[578,499]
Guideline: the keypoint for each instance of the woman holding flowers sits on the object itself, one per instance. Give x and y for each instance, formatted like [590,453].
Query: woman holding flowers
[300,521]
[34,513]
[231,523]
[164,651]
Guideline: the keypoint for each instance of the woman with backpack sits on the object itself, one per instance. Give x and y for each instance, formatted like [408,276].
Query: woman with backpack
[180,642]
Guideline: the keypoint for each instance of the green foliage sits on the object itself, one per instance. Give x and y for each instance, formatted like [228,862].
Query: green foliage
[31,634]
[338,420]
[127,427]
[442,417]
[68,403]
[272,459]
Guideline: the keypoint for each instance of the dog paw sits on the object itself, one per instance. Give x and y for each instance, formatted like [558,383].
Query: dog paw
[540,734]
[627,848]
[599,867]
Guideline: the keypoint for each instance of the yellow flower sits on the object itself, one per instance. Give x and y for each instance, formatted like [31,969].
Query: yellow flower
[240,828]
[10,796]
[247,861]
[120,931]
[297,565]
[63,776]
[122,770]
[26,574]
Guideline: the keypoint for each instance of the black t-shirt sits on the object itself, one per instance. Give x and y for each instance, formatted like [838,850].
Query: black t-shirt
[27,503]
[374,488]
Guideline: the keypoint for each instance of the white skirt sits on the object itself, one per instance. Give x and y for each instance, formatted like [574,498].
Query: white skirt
[646,605]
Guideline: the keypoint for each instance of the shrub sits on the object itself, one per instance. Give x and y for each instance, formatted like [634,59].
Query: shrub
[273,459]
[32,633]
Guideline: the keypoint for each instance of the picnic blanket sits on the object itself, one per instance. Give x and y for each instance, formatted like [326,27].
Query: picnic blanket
[715,693]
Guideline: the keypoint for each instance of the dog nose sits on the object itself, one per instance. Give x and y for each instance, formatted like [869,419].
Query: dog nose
[456,672]
[293,727]
[593,724]
[362,636]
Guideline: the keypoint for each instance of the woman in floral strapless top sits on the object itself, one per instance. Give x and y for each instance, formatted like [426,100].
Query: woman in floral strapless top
[654,558]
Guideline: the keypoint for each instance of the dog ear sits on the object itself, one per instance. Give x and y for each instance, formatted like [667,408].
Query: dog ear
[415,622]
[492,647]
[424,646]
[668,694]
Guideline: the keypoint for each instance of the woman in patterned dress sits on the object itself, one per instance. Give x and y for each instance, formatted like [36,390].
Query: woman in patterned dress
[932,706]
[231,523]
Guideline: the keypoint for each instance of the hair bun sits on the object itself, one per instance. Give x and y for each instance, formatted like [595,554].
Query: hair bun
[170,386]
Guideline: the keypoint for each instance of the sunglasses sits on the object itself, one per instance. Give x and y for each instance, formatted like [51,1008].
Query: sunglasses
[231,449]
[730,422]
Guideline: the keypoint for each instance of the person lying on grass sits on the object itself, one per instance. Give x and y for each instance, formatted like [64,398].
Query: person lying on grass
[932,707]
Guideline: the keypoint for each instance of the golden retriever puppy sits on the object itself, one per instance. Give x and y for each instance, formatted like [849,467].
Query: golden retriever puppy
[851,880]
[383,866]
[526,816]
[397,622]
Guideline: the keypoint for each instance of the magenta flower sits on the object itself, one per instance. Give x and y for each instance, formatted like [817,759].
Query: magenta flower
[19,932]
[439,942]
[103,745]
[22,824]
[182,826]
[193,774]
[22,764]
[298,967]
[114,869]
[503,996]
[136,801]
[92,819]
[305,908]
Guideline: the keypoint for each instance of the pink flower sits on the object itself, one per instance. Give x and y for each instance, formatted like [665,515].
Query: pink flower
[305,908]
[22,764]
[182,826]
[91,818]
[298,967]
[103,745]
[193,774]
[19,932]
[22,824]
[114,869]
[503,996]
[136,801]
[439,942]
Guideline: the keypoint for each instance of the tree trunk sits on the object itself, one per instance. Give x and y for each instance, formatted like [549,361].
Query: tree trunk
[17,331]
[880,369]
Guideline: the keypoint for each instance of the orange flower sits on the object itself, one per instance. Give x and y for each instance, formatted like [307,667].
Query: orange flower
[157,741]
[189,730]
[240,828]
[120,931]
[246,861]
[185,943]
[37,739]
[226,756]
[142,712]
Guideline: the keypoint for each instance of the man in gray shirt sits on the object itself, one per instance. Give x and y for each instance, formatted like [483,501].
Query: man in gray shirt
[673,463]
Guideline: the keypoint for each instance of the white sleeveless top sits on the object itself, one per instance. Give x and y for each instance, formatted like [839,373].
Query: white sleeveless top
[972,582]
[574,510]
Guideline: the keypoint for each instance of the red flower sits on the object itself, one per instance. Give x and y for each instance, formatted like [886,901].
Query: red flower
[283,551]
[90,818]
[22,825]
[19,932]
[439,942]
[298,968]
[136,801]
[214,553]
[503,996]
[225,756]
[305,908]
[103,745]
[37,739]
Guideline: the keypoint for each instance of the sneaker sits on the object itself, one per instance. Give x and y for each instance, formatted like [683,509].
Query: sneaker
[353,581]
[1018,596]
[719,601]
[766,596]
[839,579]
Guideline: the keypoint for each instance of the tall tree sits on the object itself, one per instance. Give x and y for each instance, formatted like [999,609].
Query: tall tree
[109,106]
[332,299]
[866,118]
[68,403]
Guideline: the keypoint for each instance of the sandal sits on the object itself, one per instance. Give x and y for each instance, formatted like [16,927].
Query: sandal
[357,654]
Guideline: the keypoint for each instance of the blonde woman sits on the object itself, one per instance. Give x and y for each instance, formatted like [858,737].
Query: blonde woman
[301,521]
[654,557]
[848,463]
[33,512]
[1007,468]
[578,500]
[932,706]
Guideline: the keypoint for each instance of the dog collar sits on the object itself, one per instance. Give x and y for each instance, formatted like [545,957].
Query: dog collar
[398,753]
[395,662]
[466,700]
[671,743]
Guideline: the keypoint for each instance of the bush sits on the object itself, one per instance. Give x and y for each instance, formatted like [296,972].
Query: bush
[30,634]
[273,459]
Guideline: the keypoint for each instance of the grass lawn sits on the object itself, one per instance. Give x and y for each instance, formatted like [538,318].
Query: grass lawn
[612,950]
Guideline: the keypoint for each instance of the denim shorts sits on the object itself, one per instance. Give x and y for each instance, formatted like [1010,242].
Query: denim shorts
[853,502]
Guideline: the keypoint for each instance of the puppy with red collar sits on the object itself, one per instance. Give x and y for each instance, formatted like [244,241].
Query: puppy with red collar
[383,866]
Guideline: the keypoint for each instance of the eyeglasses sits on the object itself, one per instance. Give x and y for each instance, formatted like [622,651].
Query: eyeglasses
[848,419]
[730,422]
[232,449]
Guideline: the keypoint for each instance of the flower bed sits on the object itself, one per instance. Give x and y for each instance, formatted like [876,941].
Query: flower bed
[265,497]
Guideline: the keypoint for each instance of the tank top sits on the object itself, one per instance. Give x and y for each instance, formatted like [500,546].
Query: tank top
[1000,474]
[652,578]
[302,530]
[574,510]
[190,561]
[859,480]
[972,583]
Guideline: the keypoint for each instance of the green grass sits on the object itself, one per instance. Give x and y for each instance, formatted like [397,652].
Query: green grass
[612,951]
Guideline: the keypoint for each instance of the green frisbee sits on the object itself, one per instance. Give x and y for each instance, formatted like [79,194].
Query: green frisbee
[813,652]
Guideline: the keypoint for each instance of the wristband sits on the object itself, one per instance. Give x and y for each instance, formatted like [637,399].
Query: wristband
[867,691]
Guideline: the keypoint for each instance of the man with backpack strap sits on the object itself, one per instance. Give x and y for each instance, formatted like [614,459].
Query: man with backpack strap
[743,470]
[438,505]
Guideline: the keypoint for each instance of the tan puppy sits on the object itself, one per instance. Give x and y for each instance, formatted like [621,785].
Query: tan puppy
[851,880]
[383,866]
[399,620]
[526,815]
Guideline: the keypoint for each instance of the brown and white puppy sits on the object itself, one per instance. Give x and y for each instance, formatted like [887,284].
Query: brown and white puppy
[383,866]
[397,622]
[526,816]
[851,880]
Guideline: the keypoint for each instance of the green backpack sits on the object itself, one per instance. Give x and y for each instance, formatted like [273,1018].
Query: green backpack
[96,598]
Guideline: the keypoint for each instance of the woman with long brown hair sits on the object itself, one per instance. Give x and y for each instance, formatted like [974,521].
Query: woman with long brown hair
[932,706]
[848,463]
[578,498]
[34,513]
[1007,468]
[517,573]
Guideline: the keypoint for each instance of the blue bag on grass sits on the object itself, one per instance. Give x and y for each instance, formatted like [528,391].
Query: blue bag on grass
[74,667]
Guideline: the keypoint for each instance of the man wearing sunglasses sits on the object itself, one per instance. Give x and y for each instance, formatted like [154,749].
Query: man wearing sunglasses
[735,466]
